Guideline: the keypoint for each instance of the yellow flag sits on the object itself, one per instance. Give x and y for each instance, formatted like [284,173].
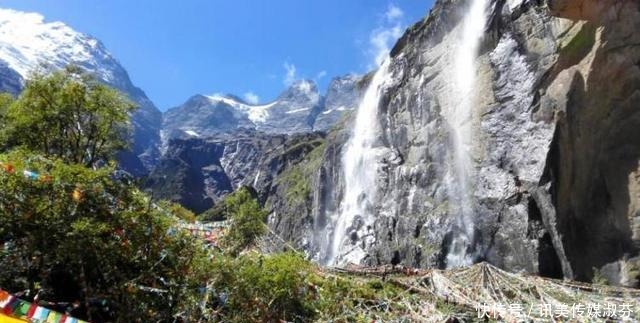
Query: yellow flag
[77,194]
[9,319]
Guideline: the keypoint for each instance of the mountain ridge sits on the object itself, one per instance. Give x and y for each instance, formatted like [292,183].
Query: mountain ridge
[298,108]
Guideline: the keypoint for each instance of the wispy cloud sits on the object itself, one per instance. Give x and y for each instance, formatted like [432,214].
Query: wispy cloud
[381,41]
[321,75]
[290,74]
[251,98]
[393,13]
[384,36]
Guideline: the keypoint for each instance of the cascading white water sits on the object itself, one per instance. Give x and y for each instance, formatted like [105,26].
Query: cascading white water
[360,167]
[459,118]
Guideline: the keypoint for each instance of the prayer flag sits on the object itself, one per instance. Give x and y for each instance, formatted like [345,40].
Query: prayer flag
[77,195]
[41,313]
[21,309]
[10,305]
[8,168]
[9,319]
[30,175]
[32,310]
[5,298]
[54,317]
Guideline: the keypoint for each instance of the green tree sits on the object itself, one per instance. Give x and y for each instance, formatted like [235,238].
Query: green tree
[247,220]
[82,237]
[68,115]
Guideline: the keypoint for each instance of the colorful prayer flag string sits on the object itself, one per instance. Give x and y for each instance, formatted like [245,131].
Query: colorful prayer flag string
[29,312]
[77,193]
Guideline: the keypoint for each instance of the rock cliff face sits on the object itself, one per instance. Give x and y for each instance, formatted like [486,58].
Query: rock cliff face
[593,163]
[552,138]
[198,172]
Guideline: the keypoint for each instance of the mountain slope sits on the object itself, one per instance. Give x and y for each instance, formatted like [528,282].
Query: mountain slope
[28,43]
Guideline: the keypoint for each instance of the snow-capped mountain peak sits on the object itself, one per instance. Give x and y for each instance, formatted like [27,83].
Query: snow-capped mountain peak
[299,108]
[256,113]
[304,86]
[26,41]
[301,90]
[29,43]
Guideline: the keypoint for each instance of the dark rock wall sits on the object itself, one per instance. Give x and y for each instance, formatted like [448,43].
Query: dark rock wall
[594,160]
[199,172]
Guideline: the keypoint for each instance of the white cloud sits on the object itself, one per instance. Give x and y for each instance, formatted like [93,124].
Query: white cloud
[381,40]
[384,36]
[290,75]
[393,13]
[251,98]
[321,75]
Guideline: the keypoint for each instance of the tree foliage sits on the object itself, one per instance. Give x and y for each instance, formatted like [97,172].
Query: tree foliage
[67,115]
[5,100]
[82,237]
[247,220]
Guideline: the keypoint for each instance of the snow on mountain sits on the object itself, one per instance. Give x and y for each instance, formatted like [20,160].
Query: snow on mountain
[256,113]
[192,133]
[28,43]
[342,97]
[207,115]
[294,110]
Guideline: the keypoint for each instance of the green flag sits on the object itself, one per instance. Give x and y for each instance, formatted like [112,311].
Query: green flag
[22,309]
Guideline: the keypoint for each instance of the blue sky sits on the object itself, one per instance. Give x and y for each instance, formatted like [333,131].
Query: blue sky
[251,48]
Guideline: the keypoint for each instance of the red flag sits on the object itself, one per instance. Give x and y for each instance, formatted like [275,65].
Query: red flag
[32,310]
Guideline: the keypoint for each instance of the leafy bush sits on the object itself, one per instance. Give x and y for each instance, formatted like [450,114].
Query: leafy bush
[247,221]
[258,288]
[286,287]
[82,237]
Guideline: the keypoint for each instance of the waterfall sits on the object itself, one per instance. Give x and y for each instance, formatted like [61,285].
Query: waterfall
[355,218]
[459,118]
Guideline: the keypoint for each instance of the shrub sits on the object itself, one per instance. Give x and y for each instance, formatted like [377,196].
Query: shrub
[247,221]
[80,236]
[265,288]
